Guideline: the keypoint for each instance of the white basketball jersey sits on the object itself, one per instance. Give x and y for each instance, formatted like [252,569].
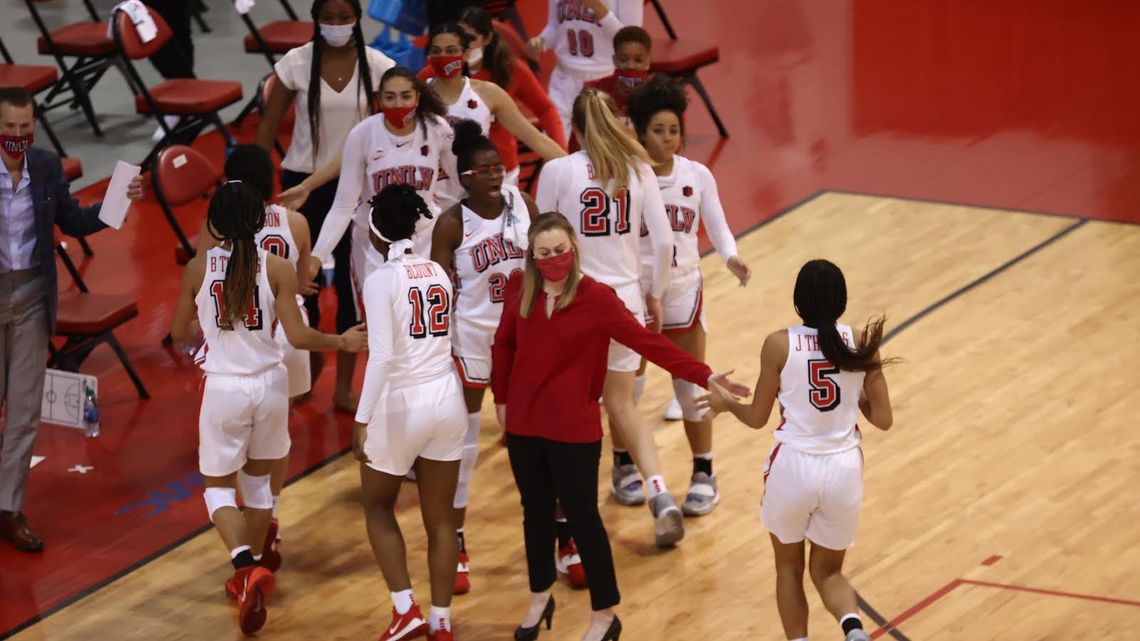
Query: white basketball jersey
[818,401]
[276,237]
[578,40]
[249,348]
[681,192]
[418,293]
[490,251]
[470,106]
[606,225]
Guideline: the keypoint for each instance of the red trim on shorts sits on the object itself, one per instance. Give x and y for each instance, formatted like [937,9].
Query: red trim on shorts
[463,379]
[696,316]
[771,460]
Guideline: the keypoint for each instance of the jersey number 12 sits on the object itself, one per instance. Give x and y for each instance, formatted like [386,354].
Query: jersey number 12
[438,308]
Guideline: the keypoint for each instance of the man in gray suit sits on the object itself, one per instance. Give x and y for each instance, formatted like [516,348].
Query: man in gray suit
[34,196]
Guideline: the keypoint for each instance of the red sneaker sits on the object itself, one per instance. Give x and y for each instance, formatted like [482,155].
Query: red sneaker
[410,625]
[570,564]
[441,635]
[271,560]
[252,584]
[462,578]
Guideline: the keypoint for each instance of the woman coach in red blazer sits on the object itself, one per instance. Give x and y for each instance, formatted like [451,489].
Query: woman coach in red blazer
[548,368]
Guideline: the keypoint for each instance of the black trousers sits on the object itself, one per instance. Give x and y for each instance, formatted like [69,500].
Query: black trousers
[546,471]
[315,209]
[176,59]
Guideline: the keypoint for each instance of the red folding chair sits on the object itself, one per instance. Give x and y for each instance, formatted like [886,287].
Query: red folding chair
[682,60]
[182,175]
[92,52]
[194,101]
[85,321]
[271,40]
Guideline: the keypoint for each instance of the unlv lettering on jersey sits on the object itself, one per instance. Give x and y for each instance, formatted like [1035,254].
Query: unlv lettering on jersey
[573,10]
[419,178]
[681,218]
[492,251]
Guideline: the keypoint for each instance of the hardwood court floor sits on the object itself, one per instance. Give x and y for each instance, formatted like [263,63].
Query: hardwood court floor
[1013,438]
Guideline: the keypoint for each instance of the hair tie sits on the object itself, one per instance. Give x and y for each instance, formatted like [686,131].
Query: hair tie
[230,182]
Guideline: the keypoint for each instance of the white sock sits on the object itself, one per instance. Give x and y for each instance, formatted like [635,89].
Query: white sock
[403,601]
[257,557]
[707,456]
[799,639]
[440,619]
[656,484]
[850,615]
[638,388]
[238,550]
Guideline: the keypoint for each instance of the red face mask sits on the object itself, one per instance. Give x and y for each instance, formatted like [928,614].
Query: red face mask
[447,66]
[555,268]
[16,146]
[631,79]
[399,117]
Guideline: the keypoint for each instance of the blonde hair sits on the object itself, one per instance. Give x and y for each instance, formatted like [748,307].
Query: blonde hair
[611,146]
[532,278]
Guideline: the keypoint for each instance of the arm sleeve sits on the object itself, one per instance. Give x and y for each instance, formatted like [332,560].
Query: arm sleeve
[712,215]
[550,31]
[660,234]
[526,88]
[378,308]
[549,186]
[504,345]
[625,329]
[347,193]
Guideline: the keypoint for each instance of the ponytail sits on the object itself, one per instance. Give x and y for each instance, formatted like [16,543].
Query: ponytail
[236,215]
[429,103]
[497,56]
[611,146]
[821,298]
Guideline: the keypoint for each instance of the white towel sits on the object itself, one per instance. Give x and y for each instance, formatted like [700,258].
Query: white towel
[140,17]
[243,6]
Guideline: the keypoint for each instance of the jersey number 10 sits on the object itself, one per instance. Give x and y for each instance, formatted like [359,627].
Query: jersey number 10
[581,43]
[596,208]
[438,312]
[824,394]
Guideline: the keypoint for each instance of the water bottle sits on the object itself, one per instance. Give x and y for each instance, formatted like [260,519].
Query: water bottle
[90,413]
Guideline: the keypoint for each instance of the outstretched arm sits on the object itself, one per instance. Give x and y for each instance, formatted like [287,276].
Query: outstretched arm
[283,279]
[755,414]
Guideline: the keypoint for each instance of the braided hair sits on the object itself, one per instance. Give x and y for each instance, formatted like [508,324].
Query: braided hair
[395,211]
[236,215]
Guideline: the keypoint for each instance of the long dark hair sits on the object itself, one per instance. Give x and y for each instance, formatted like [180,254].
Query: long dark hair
[396,209]
[236,214]
[455,30]
[821,298]
[429,102]
[497,56]
[469,140]
[251,165]
[659,93]
[364,80]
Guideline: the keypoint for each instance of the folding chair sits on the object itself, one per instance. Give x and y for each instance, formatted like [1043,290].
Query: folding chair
[664,18]
[180,176]
[271,40]
[196,102]
[85,320]
[197,8]
[682,60]
[87,43]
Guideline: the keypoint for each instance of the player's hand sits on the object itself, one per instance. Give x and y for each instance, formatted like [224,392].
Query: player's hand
[315,266]
[739,269]
[501,414]
[359,434]
[355,339]
[294,197]
[308,287]
[655,314]
[135,188]
[716,401]
[535,47]
[722,381]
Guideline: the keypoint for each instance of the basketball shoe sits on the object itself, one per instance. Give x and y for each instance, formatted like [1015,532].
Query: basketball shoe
[462,576]
[627,486]
[409,625]
[568,562]
[251,585]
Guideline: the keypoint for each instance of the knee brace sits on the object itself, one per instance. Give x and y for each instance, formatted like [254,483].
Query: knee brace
[467,461]
[218,498]
[687,395]
[255,491]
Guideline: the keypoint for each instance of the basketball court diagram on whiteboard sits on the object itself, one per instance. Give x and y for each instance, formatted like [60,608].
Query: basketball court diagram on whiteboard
[64,394]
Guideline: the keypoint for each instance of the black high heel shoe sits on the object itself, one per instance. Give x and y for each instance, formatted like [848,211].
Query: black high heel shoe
[613,633]
[531,633]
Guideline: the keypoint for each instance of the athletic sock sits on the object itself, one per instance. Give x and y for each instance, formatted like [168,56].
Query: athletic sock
[257,558]
[462,540]
[638,388]
[403,601]
[276,498]
[703,463]
[241,557]
[563,529]
[799,639]
[440,619]
[656,484]
[850,621]
[622,457]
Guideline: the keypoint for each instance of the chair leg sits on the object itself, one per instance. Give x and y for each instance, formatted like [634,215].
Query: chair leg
[253,105]
[122,354]
[87,251]
[42,115]
[222,129]
[664,19]
[279,147]
[696,82]
[84,99]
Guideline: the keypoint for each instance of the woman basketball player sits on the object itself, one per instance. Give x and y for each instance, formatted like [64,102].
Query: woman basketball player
[411,412]
[813,482]
[480,242]
[607,191]
[689,190]
[477,100]
[239,293]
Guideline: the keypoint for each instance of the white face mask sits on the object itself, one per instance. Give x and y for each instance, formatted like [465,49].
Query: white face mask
[337,35]
[475,55]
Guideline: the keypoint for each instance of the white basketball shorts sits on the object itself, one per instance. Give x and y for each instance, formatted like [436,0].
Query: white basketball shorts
[243,418]
[427,420]
[563,89]
[814,495]
[296,361]
[622,358]
[683,301]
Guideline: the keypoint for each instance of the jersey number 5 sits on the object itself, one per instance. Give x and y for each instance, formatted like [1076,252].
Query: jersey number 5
[253,317]
[824,393]
[596,212]
[438,312]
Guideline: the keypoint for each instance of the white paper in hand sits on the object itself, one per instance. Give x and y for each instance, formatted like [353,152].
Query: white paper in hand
[115,202]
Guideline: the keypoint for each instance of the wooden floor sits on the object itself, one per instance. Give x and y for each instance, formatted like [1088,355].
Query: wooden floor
[1014,444]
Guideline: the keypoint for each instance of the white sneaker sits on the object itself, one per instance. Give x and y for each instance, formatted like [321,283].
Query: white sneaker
[702,496]
[626,485]
[668,523]
[857,635]
[673,410]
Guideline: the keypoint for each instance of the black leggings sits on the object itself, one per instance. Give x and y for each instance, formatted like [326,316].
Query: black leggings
[315,209]
[546,471]
[176,58]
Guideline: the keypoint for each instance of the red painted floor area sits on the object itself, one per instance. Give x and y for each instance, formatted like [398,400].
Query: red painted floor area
[1003,104]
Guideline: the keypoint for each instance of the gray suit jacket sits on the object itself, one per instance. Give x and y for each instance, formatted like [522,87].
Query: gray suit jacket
[53,204]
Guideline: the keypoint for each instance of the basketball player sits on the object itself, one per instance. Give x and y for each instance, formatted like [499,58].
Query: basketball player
[477,100]
[411,412]
[633,50]
[581,34]
[239,292]
[607,191]
[480,242]
[813,481]
[691,200]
